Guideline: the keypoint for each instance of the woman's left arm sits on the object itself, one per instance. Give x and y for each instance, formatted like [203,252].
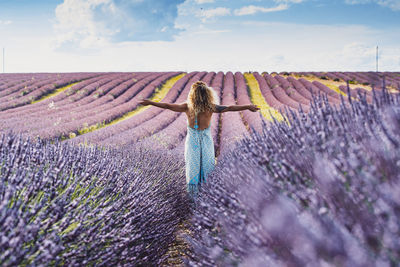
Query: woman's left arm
[174,107]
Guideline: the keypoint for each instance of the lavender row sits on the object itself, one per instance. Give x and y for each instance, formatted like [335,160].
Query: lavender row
[46,115]
[355,93]
[217,85]
[68,205]
[30,117]
[232,126]
[15,82]
[378,80]
[322,190]
[128,126]
[300,88]
[60,120]
[96,113]
[292,92]
[26,87]
[27,94]
[12,79]
[254,120]
[280,94]
[269,94]
[61,99]
[316,88]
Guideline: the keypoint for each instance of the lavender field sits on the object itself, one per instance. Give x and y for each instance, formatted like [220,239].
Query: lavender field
[89,177]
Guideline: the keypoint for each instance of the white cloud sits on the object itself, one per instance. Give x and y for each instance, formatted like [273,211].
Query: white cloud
[357,53]
[204,1]
[211,31]
[289,1]
[251,9]
[5,22]
[392,4]
[223,46]
[215,12]
[284,1]
[360,56]
[93,23]
[355,2]
[77,23]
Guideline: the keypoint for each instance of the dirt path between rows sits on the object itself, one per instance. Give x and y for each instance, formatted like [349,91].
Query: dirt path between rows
[179,248]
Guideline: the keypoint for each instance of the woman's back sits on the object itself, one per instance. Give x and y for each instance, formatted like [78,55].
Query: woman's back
[203,119]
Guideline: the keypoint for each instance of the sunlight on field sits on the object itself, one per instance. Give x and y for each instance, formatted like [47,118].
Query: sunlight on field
[258,99]
[334,85]
[57,91]
[158,95]
[329,83]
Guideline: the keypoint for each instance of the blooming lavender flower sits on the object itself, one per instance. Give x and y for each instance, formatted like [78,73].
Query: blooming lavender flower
[74,205]
[321,189]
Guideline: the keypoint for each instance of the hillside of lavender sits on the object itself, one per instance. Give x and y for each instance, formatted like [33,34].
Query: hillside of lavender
[321,189]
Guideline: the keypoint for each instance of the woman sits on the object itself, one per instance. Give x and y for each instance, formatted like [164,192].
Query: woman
[199,147]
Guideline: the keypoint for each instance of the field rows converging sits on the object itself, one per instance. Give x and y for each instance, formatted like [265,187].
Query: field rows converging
[55,92]
[158,95]
[63,98]
[29,91]
[102,108]
[96,179]
[356,80]
[258,99]
[150,88]
[127,127]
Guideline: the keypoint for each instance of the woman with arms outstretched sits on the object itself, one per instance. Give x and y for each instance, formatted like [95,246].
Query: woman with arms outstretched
[199,146]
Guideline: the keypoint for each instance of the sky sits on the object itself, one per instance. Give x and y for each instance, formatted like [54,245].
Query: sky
[199,35]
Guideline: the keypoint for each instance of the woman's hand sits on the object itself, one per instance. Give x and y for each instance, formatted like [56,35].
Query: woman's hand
[253,108]
[145,102]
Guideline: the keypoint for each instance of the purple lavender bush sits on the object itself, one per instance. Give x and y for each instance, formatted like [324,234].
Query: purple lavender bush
[63,204]
[321,189]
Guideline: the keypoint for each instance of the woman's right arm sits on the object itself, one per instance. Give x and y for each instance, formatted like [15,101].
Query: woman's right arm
[220,109]
[174,107]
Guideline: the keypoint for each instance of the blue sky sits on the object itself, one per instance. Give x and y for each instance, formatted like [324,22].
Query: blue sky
[211,35]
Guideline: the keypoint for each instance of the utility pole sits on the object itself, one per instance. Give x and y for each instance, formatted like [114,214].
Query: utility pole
[3,60]
[376,58]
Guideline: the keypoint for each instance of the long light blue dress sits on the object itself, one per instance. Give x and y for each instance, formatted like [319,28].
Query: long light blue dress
[199,157]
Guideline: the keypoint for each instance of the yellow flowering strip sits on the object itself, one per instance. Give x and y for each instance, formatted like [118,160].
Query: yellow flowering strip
[59,90]
[328,83]
[334,85]
[157,96]
[258,99]
[159,93]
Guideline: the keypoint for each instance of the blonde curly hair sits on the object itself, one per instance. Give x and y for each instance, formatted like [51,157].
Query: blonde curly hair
[201,98]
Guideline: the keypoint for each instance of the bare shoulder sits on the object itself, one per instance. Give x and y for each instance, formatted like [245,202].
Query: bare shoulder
[184,106]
